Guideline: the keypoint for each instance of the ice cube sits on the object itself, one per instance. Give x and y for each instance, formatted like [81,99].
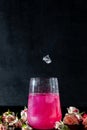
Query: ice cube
[47,59]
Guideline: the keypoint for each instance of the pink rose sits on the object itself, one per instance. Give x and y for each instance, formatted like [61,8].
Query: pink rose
[9,118]
[70,119]
[2,127]
[72,109]
[24,115]
[75,111]
[84,119]
[18,124]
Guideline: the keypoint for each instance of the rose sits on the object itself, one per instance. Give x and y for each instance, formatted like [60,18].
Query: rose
[9,118]
[84,116]
[18,124]
[24,115]
[70,119]
[61,126]
[75,111]
[84,119]
[72,109]
[2,127]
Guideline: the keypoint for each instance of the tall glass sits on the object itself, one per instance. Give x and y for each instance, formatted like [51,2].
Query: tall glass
[43,103]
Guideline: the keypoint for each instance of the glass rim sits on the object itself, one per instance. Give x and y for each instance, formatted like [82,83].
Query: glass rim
[44,77]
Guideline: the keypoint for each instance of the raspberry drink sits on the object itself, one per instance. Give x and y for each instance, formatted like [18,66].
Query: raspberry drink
[43,110]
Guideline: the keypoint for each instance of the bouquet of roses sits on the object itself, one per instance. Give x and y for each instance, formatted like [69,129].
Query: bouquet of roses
[10,120]
[71,120]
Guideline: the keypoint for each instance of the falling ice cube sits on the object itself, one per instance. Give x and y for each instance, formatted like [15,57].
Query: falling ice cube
[47,59]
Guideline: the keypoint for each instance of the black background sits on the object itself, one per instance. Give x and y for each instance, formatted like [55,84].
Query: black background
[31,29]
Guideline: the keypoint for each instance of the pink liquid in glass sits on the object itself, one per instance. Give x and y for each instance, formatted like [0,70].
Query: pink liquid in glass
[43,110]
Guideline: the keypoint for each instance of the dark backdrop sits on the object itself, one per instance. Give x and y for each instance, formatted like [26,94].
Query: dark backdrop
[31,29]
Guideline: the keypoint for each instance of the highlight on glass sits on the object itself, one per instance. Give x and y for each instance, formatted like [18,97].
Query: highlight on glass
[44,107]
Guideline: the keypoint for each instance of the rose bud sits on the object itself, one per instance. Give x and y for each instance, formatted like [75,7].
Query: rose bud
[72,110]
[84,119]
[24,115]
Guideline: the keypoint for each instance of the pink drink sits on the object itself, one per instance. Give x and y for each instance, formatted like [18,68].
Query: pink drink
[43,110]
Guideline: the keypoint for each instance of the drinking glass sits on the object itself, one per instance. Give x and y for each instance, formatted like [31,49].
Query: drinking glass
[44,107]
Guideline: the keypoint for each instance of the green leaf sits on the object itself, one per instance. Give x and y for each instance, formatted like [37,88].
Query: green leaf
[81,113]
[9,112]
[65,128]
[24,125]
[0,119]
[25,107]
